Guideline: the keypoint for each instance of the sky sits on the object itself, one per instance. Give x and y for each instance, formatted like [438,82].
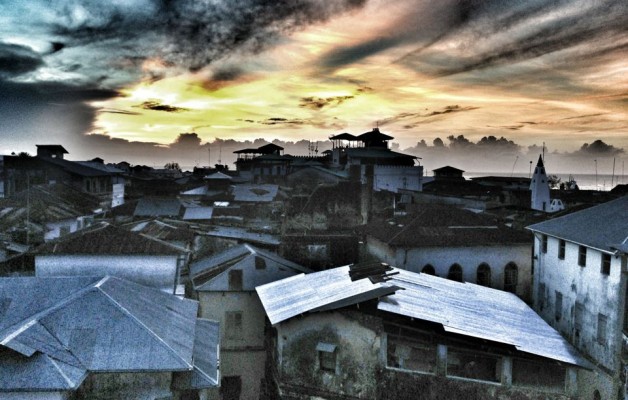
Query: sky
[123,79]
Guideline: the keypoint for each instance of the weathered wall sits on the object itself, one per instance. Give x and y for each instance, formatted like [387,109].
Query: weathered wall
[129,386]
[598,294]
[469,258]
[242,352]
[154,271]
[357,344]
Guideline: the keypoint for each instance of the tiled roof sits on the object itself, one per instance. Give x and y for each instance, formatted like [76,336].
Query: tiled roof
[54,331]
[440,225]
[105,239]
[603,227]
[461,308]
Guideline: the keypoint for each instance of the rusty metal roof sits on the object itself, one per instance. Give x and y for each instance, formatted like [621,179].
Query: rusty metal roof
[461,308]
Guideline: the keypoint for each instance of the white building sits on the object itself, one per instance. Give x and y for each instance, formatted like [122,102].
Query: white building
[580,267]
[224,284]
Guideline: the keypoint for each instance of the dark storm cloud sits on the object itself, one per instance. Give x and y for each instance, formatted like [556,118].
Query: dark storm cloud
[191,33]
[17,60]
[157,106]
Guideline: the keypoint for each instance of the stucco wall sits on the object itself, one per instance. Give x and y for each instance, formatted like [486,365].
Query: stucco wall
[154,271]
[598,293]
[469,258]
[242,353]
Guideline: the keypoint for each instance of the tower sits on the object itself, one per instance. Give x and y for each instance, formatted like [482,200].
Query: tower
[540,188]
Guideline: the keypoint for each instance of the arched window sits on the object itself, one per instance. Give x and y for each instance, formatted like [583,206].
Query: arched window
[455,273]
[511,277]
[428,269]
[597,395]
[483,276]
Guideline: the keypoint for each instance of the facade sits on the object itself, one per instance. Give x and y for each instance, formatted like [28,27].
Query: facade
[102,339]
[456,244]
[107,250]
[224,284]
[580,265]
[375,332]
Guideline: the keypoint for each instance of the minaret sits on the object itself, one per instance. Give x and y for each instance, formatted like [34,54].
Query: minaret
[540,188]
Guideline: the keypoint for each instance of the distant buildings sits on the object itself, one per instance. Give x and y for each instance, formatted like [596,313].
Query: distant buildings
[580,265]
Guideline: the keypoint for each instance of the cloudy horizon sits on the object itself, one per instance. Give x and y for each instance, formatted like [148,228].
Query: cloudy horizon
[128,77]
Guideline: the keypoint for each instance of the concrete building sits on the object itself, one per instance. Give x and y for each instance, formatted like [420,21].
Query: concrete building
[102,339]
[456,244]
[375,332]
[580,265]
[224,284]
[104,249]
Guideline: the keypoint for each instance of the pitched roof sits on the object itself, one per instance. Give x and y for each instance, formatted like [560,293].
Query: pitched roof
[217,175]
[260,193]
[54,331]
[55,147]
[204,270]
[105,239]
[198,213]
[157,207]
[461,308]
[76,168]
[373,135]
[448,169]
[343,136]
[603,227]
[446,226]
[242,234]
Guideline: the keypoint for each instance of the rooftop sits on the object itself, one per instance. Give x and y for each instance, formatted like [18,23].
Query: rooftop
[105,239]
[461,308]
[54,331]
[603,227]
[443,225]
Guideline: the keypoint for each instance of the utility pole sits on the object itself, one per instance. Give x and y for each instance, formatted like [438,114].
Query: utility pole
[595,173]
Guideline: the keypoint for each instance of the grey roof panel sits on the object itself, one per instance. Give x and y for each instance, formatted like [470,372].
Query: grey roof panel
[599,227]
[462,308]
[206,349]
[260,193]
[156,207]
[196,213]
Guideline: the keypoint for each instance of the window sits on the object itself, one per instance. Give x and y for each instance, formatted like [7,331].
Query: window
[233,324]
[606,264]
[545,375]
[260,263]
[601,328]
[541,296]
[561,249]
[578,317]
[558,306]
[483,276]
[410,349]
[326,356]
[544,243]
[472,365]
[455,273]
[429,269]
[511,277]
[582,256]
[235,279]
[231,387]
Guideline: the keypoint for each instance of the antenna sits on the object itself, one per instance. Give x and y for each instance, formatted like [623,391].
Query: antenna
[613,176]
[220,154]
[209,156]
[513,167]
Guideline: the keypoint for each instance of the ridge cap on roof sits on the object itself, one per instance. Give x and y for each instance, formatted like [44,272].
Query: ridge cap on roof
[190,365]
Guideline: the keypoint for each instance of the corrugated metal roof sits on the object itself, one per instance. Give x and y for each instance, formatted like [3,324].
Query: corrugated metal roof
[599,227]
[82,325]
[243,235]
[261,193]
[154,207]
[206,373]
[462,308]
[198,213]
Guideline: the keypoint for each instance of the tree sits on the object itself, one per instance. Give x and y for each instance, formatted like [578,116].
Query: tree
[438,142]
[172,166]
